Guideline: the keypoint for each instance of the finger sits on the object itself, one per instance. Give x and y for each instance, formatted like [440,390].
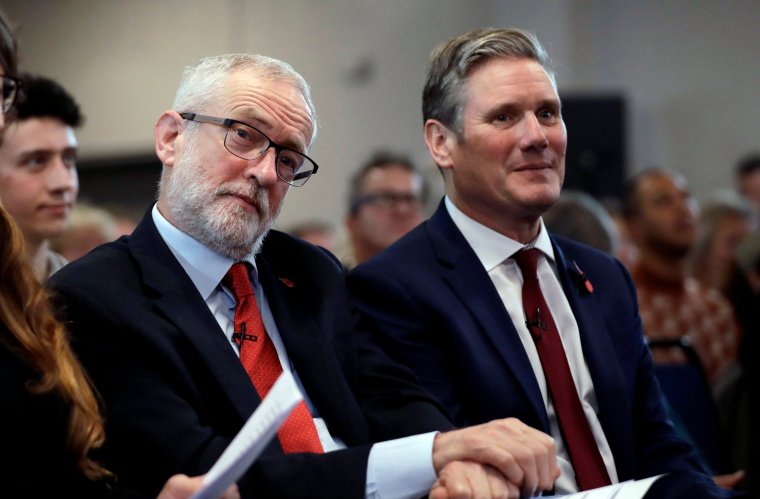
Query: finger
[477,478]
[232,492]
[548,470]
[438,492]
[497,483]
[513,492]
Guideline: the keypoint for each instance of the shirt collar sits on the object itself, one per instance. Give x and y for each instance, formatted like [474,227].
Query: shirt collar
[204,266]
[491,247]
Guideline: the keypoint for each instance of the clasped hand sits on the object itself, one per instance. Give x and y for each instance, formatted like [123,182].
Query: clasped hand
[503,458]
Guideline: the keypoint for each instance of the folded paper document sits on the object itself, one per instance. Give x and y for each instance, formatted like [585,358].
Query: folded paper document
[252,438]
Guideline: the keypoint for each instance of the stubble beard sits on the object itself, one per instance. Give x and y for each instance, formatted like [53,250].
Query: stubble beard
[211,215]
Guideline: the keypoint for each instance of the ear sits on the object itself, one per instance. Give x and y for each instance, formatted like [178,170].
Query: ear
[167,131]
[440,142]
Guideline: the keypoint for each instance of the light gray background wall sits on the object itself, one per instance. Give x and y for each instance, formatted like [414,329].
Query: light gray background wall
[689,70]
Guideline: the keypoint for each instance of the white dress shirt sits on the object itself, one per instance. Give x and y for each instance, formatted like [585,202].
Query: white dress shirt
[396,469]
[494,251]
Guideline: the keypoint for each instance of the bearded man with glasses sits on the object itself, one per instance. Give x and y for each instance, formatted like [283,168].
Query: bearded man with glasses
[184,324]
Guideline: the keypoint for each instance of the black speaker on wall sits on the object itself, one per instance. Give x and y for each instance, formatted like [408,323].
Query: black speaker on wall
[596,150]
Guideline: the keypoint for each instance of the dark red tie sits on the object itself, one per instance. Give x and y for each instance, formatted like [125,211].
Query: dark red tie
[590,471]
[259,358]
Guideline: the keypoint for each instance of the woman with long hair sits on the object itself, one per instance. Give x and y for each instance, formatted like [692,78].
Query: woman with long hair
[50,423]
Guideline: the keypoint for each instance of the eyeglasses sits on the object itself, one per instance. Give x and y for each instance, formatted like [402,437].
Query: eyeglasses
[9,92]
[248,142]
[387,200]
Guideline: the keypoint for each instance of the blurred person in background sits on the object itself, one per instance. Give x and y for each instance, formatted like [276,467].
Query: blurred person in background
[89,226]
[748,183]
[578,216]
[386,200]
[661,217]
[38,176]
[317,232]
[725,220]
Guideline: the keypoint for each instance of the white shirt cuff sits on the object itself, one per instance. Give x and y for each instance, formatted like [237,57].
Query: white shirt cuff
[401,468]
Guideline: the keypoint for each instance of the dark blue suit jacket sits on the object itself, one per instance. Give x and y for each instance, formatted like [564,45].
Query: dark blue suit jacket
[175,393]
[433,307]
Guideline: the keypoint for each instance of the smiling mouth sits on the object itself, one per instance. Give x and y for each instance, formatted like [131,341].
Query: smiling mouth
[534,167]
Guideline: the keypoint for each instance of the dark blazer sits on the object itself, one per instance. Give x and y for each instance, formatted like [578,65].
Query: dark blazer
[175,393]
[34,458]
[433,307]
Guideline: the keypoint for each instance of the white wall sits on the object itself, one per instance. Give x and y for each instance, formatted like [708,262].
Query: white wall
[688,68]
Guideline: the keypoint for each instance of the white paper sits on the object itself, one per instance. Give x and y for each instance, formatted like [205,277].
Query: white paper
[252,438]
[631,489]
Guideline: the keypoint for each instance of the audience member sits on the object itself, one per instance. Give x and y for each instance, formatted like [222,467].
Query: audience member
[578,216]
[626,251]
[50,422]
[460,301]
[662,221]
[725,221]
[89,226]
[385,201]
[38,177]
[167,322]
[317,232]
[748,183]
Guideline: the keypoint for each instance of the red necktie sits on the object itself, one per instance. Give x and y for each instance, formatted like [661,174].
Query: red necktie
[590,471]
[259,358]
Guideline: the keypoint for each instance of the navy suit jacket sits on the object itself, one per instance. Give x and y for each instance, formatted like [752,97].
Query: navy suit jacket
[175,394]
[433,307]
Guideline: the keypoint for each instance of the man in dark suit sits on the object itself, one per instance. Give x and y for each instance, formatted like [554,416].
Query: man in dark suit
[448,298]
[159,320]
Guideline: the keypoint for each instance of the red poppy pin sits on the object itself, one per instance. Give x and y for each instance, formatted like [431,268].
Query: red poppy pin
[583,279]
[287,282]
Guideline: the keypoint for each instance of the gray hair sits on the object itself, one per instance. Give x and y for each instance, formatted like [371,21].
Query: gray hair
[203,82]
[451,63]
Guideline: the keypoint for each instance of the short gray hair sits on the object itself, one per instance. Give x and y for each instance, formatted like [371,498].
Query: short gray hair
[452,61]
[203,82]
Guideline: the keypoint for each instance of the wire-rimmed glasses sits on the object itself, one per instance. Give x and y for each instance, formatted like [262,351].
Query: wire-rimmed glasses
[248,142]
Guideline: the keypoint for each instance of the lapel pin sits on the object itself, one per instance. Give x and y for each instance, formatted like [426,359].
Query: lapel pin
[287,282]
[583,279]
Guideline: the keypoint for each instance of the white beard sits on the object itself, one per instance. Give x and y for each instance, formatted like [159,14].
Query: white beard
[210,215]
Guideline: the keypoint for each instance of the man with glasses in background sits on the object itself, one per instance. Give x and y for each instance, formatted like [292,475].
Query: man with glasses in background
[185,324]
[38,176]
[386,200]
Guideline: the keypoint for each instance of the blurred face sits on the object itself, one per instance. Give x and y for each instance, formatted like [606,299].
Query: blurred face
[508,167]
[749,186]
[226,202]
[390,206]
[731,231]
[666,222]
[38,176]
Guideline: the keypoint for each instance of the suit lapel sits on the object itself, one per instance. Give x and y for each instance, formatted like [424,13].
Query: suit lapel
[597,348]
[177,298]
[470,282]
[292,299]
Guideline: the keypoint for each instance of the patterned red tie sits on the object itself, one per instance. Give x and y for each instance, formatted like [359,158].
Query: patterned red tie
[259,358]
[590,471]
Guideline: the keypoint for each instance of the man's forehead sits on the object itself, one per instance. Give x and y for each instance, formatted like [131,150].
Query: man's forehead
[38,133]
[268,100]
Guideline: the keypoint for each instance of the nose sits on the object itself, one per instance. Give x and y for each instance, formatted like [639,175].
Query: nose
[533,135]
[263,168]
[63,176]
